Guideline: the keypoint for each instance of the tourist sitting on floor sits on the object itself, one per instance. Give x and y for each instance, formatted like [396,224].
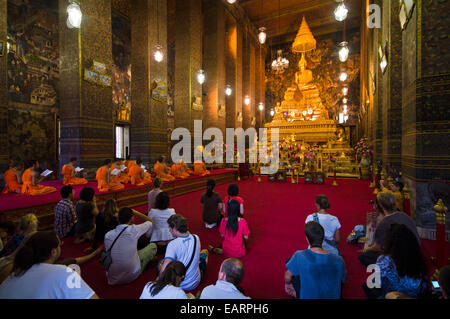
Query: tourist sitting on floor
[227,286]
[7,230]
[69,174]
[28,225]
[444,281]
[212,205]
[65,216]
[157,182]
[13,178]
[233,193]
[35,276]
[395,189]
[234,231]
[160,233]
[329,223]
[320,273]
[31,183]
[86,212]
[185,248]
[168,284]
[402,265]
[385,204]
[104,222]
[127,262]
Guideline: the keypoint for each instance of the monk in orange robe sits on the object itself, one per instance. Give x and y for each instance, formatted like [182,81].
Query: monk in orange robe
[68,171]
[177,171]
[128,163]
[104,179]
[122,177]
[138,176]
[161,170]
[31,185]
[12,178]
[200,169]
[185,168]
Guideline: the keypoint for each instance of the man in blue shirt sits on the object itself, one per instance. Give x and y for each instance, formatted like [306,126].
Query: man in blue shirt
[320,273]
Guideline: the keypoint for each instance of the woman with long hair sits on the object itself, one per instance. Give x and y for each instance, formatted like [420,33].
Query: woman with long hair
[234,231]
[160,234]
[167,286]
[104,222]
[212,205]
[402,265]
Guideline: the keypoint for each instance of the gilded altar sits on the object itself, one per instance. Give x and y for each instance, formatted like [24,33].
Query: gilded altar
[305,126]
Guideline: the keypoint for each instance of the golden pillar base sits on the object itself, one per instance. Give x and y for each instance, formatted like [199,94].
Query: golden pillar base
[371,185]
[375,191]
[259,179]
[335,183]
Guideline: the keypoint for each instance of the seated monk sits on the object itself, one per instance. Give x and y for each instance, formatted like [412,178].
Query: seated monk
[138,176]
[104,179]
[68,171]
[177,171]
[31,184]
[200,169]
[128,163]
[12,178]
[185,168]
[161,170]
[122,177]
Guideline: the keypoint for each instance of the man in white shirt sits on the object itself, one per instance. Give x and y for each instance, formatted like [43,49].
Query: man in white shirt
[231,274]
[127,262]
[182,249]
[39,278]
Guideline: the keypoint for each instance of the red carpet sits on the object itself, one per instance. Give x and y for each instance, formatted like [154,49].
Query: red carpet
[276,213]
[16,201]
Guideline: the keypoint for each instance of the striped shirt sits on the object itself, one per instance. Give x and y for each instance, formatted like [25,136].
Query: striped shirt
[64,217]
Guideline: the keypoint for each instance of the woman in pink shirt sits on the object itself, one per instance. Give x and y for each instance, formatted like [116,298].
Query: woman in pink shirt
[234,231]
[233,193]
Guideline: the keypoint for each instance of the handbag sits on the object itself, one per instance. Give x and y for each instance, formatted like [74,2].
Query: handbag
[105,255]
[329,242]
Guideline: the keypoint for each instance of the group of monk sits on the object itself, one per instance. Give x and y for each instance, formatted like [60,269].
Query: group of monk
[25,182]
[111,176]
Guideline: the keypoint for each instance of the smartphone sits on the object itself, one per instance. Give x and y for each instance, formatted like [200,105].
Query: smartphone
[435,285]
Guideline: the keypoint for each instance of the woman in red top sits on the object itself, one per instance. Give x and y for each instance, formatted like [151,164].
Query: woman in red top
[234,231]
[233,193]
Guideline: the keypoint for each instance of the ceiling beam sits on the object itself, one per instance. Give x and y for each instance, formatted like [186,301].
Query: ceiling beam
[301,8]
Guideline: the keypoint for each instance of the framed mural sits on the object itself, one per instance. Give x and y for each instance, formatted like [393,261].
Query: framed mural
[160,92]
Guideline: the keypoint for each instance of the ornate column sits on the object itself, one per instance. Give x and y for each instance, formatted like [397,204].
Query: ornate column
[148,133]
[425,117]
[188,61]
[4,153]
[231,71]
[86,115]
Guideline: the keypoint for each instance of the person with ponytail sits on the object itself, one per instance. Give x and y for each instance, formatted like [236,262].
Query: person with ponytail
[234,231]
[36,276]
[212,205]
[167,286]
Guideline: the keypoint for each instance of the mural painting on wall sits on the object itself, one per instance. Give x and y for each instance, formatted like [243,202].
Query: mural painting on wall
[326,68]
[121,70]
[31,136]
[33,51]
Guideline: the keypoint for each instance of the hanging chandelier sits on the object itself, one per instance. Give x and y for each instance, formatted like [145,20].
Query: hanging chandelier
[341,12]
[343,51]
[280,63]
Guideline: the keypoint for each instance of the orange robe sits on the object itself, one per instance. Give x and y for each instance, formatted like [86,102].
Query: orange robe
[29,189]
[161,173]
[177,171]
[103,184]
[69,179]
[121,178]
[200,169]
[128,164]
[185,168]
[136,178]
[12,183]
